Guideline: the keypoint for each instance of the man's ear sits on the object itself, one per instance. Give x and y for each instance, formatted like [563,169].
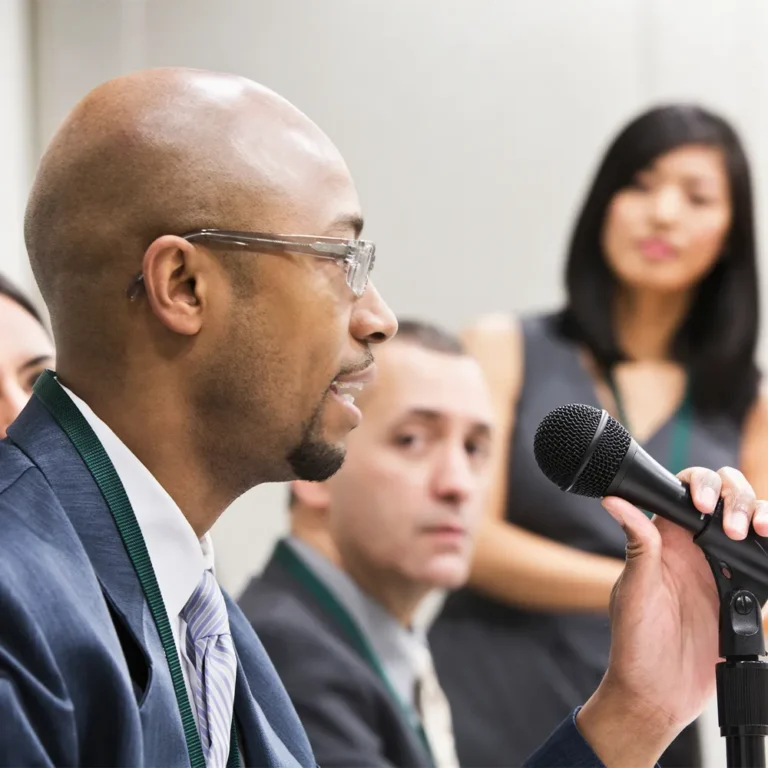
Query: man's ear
[175,284]
[315,496]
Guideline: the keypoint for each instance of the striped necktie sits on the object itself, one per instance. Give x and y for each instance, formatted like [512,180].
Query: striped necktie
[210,647]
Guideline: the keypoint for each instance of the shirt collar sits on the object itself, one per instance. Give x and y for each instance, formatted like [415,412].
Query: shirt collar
[396,647]
[178,556]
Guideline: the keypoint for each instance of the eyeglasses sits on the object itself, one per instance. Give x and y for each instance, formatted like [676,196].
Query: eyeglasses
[355,257]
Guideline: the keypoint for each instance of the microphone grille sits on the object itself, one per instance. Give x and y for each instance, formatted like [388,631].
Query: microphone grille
[562,440]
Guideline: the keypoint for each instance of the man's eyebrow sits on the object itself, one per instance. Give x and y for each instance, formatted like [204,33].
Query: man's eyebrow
[482,428]
[346,222]
[424,413]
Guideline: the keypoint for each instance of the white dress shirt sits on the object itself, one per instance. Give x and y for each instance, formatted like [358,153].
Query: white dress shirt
[178,557]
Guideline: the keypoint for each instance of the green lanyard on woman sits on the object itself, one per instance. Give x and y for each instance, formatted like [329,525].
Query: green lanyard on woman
[679,441]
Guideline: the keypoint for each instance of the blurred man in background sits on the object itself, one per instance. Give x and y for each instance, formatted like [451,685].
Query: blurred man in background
[335,606]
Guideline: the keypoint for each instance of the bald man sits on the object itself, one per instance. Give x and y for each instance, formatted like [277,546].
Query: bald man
[200,352]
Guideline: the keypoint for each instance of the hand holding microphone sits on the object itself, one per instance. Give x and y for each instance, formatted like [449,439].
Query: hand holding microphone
[585,451]
[664,608]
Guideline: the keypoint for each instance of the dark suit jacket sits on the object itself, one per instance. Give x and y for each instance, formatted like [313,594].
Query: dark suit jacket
[83,677]
[348,713]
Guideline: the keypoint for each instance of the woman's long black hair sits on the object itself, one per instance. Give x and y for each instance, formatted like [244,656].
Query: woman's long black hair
[717,341]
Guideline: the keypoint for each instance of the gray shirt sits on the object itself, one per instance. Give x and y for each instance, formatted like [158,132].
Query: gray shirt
[394,645]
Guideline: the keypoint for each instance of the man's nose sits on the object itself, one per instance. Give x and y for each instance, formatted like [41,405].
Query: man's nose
[453,480]
[372,321]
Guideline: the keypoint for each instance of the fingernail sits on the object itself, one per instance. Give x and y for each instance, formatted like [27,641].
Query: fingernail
[740,521]
[709,497]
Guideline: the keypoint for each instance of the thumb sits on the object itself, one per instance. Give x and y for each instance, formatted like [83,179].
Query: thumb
[643,539]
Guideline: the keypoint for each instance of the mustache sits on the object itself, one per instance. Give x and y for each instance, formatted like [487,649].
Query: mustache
[366,362]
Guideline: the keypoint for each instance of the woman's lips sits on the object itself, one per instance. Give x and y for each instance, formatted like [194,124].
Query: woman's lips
[657,249]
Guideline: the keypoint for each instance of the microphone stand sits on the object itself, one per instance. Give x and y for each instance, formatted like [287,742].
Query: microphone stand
[742,679]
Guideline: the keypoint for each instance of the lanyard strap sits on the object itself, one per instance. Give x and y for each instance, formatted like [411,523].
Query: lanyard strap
[327,600]
[78,430]
[681,426]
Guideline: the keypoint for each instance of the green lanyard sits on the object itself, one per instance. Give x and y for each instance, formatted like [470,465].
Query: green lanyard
[681,426]
[77,429]
[299,569]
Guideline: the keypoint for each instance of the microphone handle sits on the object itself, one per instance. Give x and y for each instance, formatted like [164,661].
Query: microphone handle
[642,481]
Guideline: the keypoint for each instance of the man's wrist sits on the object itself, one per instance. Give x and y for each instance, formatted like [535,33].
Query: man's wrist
[622,732]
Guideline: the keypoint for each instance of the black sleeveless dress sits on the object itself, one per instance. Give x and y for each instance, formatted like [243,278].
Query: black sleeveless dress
[512,675]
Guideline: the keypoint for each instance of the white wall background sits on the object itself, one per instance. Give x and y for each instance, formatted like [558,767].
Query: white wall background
[17,134]
[471,127]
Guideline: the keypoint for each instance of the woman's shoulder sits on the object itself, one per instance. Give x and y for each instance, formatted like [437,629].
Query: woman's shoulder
[507,328]
[491,332]
[756,420]
[495,340]
[502,341]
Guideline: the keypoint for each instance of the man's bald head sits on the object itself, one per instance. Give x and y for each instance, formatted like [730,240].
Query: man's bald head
[230,355]
[160,152]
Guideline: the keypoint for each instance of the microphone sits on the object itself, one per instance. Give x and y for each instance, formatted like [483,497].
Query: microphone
[584,450]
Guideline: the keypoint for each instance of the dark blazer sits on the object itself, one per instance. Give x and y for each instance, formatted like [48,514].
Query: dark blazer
[83,677]
[349,714]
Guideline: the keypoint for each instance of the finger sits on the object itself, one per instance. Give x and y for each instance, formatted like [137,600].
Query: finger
[705,487]
[760,520]
[643,539]
[739,504]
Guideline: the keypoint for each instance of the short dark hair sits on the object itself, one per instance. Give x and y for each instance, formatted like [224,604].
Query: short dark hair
[717,341]
[429,336]
[9,290]
[422,334]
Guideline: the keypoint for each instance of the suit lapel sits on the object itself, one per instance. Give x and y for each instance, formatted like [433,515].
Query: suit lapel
[43,441]
[276,574]
[37,434]
[259,694]
[265,716]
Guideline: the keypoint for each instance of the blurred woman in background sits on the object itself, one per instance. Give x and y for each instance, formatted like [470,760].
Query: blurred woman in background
[25,351]
[660,329]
